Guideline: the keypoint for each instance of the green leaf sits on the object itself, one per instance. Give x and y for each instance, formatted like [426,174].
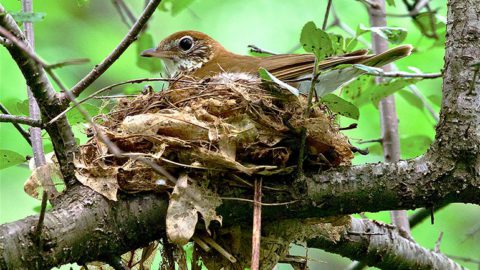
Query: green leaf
[394,35]
[316,41]
[414,146]
[385,89]
[412,99]
[21,17]
[174,6]
[10,158]
[341,44]
[82,3]
[267,76]
[391,3]
[144,42]
[356,91]
[340,106]
[23,107]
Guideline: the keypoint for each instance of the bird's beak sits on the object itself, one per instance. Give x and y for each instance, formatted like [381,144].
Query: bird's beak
[150,53]
[154,52]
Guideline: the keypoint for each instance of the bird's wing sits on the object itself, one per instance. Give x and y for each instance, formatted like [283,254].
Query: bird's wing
[333,79]
[291,66]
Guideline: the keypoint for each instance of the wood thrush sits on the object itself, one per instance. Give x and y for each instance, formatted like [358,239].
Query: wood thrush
[198,55]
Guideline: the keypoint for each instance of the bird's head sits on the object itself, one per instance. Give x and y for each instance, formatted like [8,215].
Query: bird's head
[185,51]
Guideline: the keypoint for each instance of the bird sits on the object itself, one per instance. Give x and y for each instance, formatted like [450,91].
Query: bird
[199,56]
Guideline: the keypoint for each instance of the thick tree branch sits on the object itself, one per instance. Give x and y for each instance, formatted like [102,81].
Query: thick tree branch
[380,187]
[372,242]
[117,52]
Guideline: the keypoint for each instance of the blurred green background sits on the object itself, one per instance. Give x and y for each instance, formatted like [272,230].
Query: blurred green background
[78,29]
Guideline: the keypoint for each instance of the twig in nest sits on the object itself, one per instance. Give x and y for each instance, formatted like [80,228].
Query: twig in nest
[257,225]
[76,103]
[218,248]
[201,243]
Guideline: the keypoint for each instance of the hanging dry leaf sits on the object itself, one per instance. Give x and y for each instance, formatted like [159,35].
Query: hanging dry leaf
[41,176]
[186,202]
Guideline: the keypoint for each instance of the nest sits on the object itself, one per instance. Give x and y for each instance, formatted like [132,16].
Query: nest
[207,129]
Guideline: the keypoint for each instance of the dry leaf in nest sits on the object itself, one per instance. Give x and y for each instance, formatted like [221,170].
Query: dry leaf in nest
[186,202]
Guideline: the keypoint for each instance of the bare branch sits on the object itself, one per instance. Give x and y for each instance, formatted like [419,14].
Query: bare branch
[125,13]
[115,54]
[68,63]
[20,120]
[327,12]
[400,74]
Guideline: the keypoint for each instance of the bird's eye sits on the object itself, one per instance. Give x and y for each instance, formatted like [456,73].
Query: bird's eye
[185,43]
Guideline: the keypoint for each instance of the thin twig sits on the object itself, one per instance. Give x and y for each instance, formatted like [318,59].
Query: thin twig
[257,224]
[325,18]
[201,243]
[379,140]
[405,75]
[120,12]
[256,49]
[22,131]
[71,62]
[115,96]
[104,89]
[41,218]
[438,243]
[20,120]
[218,248]
[117,52]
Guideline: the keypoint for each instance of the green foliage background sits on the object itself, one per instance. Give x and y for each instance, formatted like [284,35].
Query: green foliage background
[76,29]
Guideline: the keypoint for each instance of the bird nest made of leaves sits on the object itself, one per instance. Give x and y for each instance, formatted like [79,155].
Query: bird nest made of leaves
[207,129]
[196,137]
